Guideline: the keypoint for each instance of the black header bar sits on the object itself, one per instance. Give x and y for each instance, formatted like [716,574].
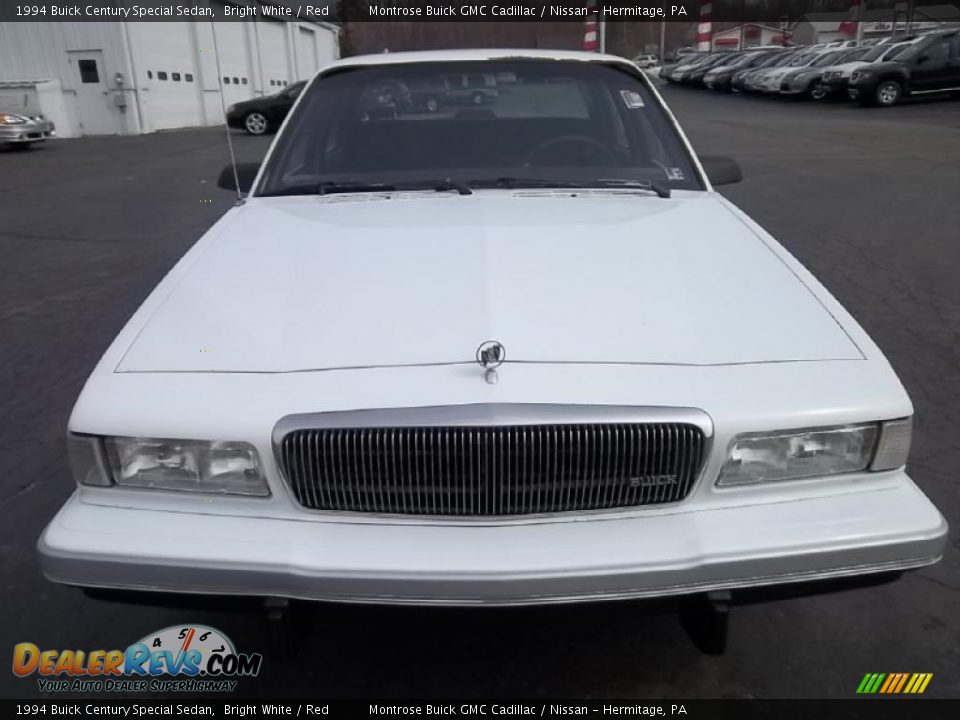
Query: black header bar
[482,709]
[767,11]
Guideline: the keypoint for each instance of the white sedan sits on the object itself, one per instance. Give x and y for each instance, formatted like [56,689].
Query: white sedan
[517,353]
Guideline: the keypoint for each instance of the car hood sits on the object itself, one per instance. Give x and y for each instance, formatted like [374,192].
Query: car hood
[846,67]
[776,73]
[315,283]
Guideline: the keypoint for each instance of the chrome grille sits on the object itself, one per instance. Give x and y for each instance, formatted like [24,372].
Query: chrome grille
[490,471]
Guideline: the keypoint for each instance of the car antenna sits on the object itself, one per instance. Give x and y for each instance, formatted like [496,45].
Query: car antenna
[223,108]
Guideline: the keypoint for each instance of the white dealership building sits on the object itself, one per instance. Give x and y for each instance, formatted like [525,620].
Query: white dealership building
[111,78]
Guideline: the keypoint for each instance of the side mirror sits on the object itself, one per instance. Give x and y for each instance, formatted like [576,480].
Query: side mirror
[721,170]
[922,59]
[243,181]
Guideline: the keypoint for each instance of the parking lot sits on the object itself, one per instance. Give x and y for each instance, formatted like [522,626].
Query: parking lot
[867,199]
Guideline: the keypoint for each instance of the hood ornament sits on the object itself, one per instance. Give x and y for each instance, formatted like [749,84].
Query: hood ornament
[490,356]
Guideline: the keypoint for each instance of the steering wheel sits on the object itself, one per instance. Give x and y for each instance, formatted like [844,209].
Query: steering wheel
[578,147]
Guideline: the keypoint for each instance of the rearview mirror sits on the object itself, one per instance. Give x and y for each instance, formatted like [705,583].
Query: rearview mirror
[721,170]
[242,181]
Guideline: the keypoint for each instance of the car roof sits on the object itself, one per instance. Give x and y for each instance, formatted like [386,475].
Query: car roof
[424,56]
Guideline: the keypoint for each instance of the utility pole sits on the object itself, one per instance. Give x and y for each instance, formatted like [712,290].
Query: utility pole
[663,40]
[861,10]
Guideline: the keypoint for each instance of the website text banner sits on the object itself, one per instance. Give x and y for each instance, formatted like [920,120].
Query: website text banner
[483,708]
[773,12]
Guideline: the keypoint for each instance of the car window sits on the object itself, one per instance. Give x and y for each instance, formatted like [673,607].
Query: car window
[828,59]
[934,56]
[555,121]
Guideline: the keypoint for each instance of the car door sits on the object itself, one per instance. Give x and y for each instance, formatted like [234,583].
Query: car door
[930,70]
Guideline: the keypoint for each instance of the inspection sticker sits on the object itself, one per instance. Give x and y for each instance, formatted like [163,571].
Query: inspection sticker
[632,99]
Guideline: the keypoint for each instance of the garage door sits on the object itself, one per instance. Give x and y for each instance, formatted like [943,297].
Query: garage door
[306,53]
[328,48]
[171,96]
[236,68]
[273,55]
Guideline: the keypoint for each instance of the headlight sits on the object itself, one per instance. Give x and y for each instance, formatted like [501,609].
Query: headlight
[187,465]
[816,452]
[12,119]
[231,109]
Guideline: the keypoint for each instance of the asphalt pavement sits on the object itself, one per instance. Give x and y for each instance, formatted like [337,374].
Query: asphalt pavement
[867,199]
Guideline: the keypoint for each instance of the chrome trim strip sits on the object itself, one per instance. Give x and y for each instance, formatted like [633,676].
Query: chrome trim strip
[491,414]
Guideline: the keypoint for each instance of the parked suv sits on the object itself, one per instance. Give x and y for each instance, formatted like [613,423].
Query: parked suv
[835,80]
[931,65]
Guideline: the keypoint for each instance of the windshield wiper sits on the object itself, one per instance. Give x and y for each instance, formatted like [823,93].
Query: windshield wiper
[330,187]
[449,184]
[512,183]
[661,190]
[326,188]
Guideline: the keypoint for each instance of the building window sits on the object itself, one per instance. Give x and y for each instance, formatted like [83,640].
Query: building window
[149,74]
[161,75]
[244,80]
[236,81]
[273,82]
[175,77]
[226,80]
[188,77]
[88,71]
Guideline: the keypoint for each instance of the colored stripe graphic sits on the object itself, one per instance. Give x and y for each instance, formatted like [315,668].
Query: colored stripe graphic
[894,683]
[591,38]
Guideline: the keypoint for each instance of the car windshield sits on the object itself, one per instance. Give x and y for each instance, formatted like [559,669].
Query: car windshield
[777,59]
[855,54]
[742,60]
[828,59]
[896,52]
[875,53]
[801,60]
[460,125]
[912,50]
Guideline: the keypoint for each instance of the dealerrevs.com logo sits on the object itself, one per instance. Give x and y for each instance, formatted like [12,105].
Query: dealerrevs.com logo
[182,658]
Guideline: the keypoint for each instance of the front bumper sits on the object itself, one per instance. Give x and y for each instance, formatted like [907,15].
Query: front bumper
[795,87]
[27,132]
[836,86]
[680,550]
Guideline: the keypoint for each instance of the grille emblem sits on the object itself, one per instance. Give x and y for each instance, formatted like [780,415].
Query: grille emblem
[490,356]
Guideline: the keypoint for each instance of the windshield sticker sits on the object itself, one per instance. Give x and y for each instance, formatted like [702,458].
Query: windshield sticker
[632,99]
[674,174]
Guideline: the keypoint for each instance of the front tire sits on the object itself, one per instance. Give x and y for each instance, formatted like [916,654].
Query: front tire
[819,92]
[255,123]
[888,93]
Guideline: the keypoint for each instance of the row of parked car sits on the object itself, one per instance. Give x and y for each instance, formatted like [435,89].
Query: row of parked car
[879,73]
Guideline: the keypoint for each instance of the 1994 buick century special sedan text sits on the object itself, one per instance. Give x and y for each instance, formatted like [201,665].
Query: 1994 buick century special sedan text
[510,351]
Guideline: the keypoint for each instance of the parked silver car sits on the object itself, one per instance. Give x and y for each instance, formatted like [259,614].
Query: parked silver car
[19,129]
